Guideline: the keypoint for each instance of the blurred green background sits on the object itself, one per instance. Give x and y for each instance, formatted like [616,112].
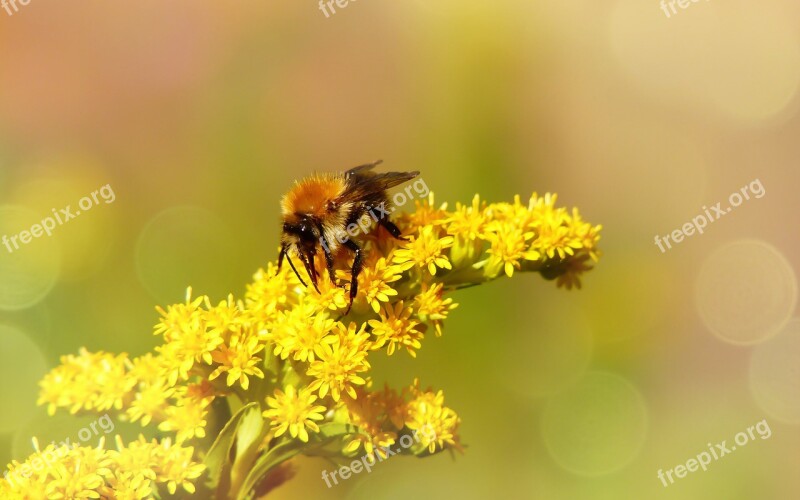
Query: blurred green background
[200,115]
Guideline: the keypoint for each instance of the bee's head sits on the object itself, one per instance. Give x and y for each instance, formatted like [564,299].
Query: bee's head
[302,233]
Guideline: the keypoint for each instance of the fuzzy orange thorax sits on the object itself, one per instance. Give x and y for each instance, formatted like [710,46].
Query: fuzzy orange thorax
[311,195]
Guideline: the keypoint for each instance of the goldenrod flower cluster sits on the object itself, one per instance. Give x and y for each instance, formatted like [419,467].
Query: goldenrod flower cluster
[283,371]
[129,472]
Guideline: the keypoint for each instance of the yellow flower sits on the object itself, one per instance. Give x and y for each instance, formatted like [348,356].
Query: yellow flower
[331,297]
[373,444]
[149,369]
[586,234]
[269,290]
[302,336]
[150,403]
[187,419]
[468,221]
[554,236]
[397,329]
[370,413]
[225,319]
[341,358]
[179,319]
[374,282]
[434,423]
[123,486]
[90,381]
[80,474]
[188,337]
[29,480]
[283,332]
[431,307]
[509,247]
[174,466]
[135,470]
[426,250]
[467,224]
[514,214]
[555,240]
[424,214]
[543,210]
[294,411]
[239,359]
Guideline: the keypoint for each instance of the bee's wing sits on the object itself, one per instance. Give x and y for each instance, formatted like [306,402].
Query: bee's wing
[362,169]
[388,180]
[362,185]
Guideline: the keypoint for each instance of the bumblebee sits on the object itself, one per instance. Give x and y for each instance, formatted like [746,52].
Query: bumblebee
[327,210]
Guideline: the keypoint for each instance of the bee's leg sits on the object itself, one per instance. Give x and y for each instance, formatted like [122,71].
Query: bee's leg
[328,255]
[329,264]
[291,264]
[311,269]
[281,255]
[354,272]
[392,228]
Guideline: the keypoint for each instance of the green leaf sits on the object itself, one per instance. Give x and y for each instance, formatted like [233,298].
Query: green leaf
[287,450]
[337,429]
[218,457]
[249,432]
[272,365]
[291,376]
[249,438]
[266,463]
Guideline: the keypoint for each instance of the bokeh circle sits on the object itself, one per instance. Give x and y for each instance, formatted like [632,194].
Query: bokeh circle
[775,374]
[28,271]
[183,246]
[22,366]
[597,426]
[745,292]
